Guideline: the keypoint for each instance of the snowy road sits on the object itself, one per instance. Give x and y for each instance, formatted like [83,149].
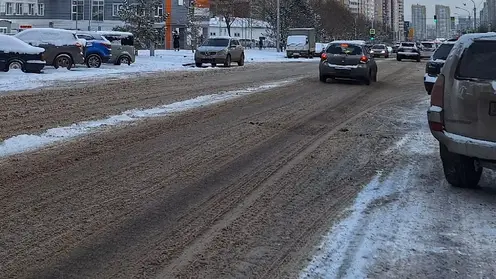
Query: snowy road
[293,178]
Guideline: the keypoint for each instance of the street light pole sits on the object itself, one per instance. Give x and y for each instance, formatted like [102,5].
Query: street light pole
[278,26]
[475,15]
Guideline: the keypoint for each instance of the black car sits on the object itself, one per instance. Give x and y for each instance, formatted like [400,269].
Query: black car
[433,67]
[16,54]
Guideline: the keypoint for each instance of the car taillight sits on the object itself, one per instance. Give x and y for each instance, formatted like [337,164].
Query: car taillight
[108,46]
[364,59]
[437,99]
[323,56]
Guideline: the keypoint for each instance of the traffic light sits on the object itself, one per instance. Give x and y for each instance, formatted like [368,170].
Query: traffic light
[435,18]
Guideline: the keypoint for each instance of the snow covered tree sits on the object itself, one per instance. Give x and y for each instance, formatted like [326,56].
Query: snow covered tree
[144,19]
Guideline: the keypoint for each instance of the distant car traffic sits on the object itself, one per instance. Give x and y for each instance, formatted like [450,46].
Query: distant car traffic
[434,65]
[348,60]
[462,116]
[220,50]
[18,55]
[379,50]
[428,49]
[408,50]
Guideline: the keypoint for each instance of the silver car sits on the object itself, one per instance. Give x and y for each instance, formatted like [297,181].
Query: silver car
[462,116]
[220,50]
[428,49]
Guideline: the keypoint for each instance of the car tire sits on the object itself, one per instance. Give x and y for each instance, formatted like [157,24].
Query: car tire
[374,79]
[459,170]
[15,65]
[368,79]
[93,61]
[241,61]
[418,59]
[198,64]
[387,56]
[214,65]
[323,78]
[124,59]
[63,60]
[398,58]
[228,61]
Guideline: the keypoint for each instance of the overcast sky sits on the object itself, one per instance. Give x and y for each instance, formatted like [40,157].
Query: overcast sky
[430,4]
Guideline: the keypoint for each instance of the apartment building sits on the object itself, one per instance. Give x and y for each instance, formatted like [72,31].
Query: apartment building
[419,21]
[443,24]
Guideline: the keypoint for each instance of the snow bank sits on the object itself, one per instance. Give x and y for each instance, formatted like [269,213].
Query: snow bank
[14,45]
[23,143]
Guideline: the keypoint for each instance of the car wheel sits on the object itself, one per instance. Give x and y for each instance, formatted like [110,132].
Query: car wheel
[125,60]
[228,61]
[459,170]
[323,78]
[375,76]
[368,78]
[398,58]
[16,65]
[387,56]
[64,61]
[197,64]
[418,59]
[93,61]
[214,64]
[241,61]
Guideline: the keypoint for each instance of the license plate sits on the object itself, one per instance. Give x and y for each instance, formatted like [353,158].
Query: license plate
[341,68]
[296,54]
[492,109]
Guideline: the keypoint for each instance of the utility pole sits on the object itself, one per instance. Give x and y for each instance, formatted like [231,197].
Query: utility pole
[278,42]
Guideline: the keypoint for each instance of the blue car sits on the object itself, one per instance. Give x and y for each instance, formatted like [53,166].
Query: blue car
[98,50]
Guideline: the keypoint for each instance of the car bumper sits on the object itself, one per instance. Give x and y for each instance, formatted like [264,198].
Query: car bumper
[212,59]
[352,72]
[35,65]
[480,149]
[378,54]
[412,54]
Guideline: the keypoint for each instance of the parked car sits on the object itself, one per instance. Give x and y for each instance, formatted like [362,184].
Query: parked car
[220,50]
[462,115]
[348,60]
[436,62]
[16,54]
[379,50]
[408,50]
[62,47]
[123,51]
[428,49]
[97,50]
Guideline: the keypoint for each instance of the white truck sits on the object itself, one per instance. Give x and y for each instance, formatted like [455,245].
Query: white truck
[300,42]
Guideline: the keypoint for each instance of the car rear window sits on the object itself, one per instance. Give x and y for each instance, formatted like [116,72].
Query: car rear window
[379,47]
[428,45]
[442,51]
[479,61]
[407,44]
[344,48]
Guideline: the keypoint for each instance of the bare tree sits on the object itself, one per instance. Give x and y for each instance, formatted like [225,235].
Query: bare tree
[229,10]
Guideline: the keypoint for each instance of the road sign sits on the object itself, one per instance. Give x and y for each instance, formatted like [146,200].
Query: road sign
[372,31]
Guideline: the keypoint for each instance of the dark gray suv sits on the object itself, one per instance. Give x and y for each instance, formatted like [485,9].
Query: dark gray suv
[348,60]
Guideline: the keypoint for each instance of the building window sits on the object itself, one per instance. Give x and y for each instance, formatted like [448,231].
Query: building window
[159,12]
[30,9]
[116,8]
[3,30]
[9,8]
[212,34]
[180,2]
[97,11]
[77,9]
[236,35]
[18,8]
[41,9]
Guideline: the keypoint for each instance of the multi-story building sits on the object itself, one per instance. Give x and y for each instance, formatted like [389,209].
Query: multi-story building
[378,15]
[401,20]
[491,13]
[443,24]
[464,24]
[363,7]
[419,21]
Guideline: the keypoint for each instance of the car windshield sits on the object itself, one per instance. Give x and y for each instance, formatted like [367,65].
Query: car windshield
[344,48]
[442,52]
[479,61]
[428,45]
[379,47]
[407,44]
[216,42]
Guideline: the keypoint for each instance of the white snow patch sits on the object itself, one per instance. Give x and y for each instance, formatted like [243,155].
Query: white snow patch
[10,44]
[23,143]
[165,60]
[435,109]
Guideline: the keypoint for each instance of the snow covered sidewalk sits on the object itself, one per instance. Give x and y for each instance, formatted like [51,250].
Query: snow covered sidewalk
[164,60]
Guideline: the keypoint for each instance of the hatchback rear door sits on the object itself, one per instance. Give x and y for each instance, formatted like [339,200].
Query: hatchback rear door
[470,103]
[346,54]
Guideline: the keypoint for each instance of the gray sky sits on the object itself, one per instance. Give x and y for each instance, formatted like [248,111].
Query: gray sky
[430,4]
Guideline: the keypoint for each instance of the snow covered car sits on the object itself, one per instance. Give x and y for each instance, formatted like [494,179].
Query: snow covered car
[433,67]
[62,47]
[408,50]
[462,115]
[16,54]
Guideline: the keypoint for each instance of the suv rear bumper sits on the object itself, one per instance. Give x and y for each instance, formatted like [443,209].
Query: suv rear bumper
[344,71]
[480,149]
[412,54]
